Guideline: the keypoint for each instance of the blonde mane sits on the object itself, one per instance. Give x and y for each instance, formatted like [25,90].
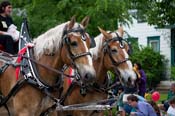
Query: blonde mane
[50,41]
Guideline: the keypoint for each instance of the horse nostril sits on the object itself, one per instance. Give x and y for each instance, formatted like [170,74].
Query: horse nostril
[89,77]
[131,82]
[129,79]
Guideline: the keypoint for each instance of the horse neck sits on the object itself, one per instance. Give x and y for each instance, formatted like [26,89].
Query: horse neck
[100,70]
[51,62]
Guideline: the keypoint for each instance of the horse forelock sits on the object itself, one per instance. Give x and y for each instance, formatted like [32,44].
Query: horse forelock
[51,40]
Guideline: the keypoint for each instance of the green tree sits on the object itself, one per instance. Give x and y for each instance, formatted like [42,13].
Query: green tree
[156,12]
[45,14]
[173,72]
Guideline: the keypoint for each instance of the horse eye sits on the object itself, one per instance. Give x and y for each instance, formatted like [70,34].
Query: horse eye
[122,44]
[83,37]
[113,51]
[74,44]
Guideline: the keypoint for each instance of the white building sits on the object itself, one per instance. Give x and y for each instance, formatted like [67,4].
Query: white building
[161,40]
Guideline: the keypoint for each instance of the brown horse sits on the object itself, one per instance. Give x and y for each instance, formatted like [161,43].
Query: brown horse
[110,53]
[67,43]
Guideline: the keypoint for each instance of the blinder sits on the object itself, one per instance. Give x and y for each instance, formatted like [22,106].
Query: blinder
[130,50]
[121,40]
[92,42]
[66,39]
[79,29]
[82,32]
[105,46]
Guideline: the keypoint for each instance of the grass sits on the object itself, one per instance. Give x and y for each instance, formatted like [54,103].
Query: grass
[163,97]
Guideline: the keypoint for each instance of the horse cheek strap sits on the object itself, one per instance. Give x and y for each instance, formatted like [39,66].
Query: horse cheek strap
[105,47]
[67,40]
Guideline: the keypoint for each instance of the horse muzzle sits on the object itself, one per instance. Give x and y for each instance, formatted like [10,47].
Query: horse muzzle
[89,78]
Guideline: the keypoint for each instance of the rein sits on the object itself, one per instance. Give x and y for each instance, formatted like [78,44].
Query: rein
[49,68]
[80,55]
[28,79]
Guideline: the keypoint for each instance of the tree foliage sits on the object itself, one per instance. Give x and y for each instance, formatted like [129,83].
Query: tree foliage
[45,14]
[156,12]
[173,72]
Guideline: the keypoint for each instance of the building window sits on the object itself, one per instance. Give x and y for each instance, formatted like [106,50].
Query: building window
[154,43]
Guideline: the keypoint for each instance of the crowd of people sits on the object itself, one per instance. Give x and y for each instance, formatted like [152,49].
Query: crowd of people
[132,101]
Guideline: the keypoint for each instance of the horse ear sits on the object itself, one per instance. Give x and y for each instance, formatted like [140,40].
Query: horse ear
[72,22]
[107,35]
[121,31]
[85,21]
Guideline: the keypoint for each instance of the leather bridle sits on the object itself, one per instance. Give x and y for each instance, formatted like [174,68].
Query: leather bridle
[106,49]
[66,41]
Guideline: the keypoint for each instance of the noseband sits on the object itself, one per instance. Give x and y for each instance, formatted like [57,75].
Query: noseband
[67,42]
[106,49]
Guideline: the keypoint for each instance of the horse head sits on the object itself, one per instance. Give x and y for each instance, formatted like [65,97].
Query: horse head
[75,49]
[115,56]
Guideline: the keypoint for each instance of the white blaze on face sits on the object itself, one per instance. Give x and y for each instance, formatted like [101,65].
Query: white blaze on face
[86,50]
[88,68]
[128,73]
[88,56]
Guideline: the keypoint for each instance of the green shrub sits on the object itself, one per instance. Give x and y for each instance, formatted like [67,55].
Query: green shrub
[153,63]
[173,72]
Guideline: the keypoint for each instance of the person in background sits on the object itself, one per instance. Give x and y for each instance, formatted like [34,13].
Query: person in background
[120,103]
[127,91]
[124,107]
[141,108]
[171,109]
[155,106]
[141,79]
[171,94]
[5,22]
